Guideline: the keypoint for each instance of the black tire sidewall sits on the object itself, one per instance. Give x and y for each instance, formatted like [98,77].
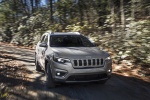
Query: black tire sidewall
[37,66]
[49,80]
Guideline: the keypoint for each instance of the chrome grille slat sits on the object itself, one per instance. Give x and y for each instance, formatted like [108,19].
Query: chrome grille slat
[77,62]
[95,62]
[99,61]
[91,62]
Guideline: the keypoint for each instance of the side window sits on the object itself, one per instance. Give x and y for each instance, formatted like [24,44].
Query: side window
[46,39]
[42,39]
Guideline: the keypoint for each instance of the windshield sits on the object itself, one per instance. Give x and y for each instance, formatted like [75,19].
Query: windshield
[70,41]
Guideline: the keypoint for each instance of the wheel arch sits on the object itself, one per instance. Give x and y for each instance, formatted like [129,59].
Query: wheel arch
[46,61]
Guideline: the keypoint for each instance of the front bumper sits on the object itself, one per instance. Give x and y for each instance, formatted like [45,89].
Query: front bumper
[66,73]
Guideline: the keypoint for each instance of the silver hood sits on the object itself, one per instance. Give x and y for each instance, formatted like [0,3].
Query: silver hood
[79,52]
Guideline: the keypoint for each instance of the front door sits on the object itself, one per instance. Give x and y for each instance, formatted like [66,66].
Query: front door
[42,51]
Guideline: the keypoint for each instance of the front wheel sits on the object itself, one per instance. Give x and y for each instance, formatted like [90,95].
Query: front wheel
[49,80]
[37,66]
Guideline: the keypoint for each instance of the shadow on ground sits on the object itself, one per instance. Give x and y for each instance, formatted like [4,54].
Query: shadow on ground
[27,60]
[117,88]
[33,88]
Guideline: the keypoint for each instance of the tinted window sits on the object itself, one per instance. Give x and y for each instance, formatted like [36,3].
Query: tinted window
[69,41]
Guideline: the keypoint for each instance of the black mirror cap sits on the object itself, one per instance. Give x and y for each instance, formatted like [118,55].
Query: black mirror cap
[43,45]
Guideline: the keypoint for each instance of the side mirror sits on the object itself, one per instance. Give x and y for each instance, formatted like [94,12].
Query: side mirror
[43,45]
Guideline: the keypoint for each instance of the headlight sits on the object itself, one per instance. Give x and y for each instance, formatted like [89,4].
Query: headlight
[108,58]
[60,60]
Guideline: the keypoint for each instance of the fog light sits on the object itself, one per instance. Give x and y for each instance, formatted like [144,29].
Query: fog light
[109,71]
[58,74]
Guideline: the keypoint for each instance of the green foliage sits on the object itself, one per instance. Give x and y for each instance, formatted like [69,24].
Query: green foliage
[4,95]
[3,92]
[134,43]
[24,24]
[7,34]
[28,30]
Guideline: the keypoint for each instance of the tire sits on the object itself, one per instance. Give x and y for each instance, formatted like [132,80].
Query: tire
[37,66]
[49,80]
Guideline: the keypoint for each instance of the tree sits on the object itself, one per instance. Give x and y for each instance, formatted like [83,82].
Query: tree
[133,9]
[122,15]
[81,11]
[32,9]
[51,10]
[112,11]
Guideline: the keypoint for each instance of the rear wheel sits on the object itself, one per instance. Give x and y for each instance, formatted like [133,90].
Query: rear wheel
[49,80]
[37,66]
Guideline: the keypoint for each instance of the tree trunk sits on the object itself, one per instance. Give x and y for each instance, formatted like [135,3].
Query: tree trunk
[51,10]
[112,10]
[36,3]
[32,9]
[16,10]
[133,9]
[27,8]
[81,12]
[122,15]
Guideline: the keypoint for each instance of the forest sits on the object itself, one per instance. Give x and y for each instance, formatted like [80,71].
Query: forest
[120,27]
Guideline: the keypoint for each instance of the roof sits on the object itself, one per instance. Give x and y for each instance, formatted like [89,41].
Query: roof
[61,33]
[66,33]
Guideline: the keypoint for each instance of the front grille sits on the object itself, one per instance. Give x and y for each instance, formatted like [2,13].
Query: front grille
[87,77]
[88,62]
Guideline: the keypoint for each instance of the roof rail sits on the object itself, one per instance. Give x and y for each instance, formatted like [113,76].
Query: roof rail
[74,32]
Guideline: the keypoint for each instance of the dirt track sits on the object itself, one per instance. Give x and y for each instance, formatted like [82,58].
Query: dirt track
[117,88]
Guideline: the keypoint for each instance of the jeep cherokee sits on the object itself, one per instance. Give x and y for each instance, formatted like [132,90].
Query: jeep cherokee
[70,57]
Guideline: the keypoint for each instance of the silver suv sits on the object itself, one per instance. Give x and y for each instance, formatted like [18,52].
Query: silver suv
[71,57]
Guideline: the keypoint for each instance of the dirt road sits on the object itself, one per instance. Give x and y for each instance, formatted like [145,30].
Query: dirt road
[117,88]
